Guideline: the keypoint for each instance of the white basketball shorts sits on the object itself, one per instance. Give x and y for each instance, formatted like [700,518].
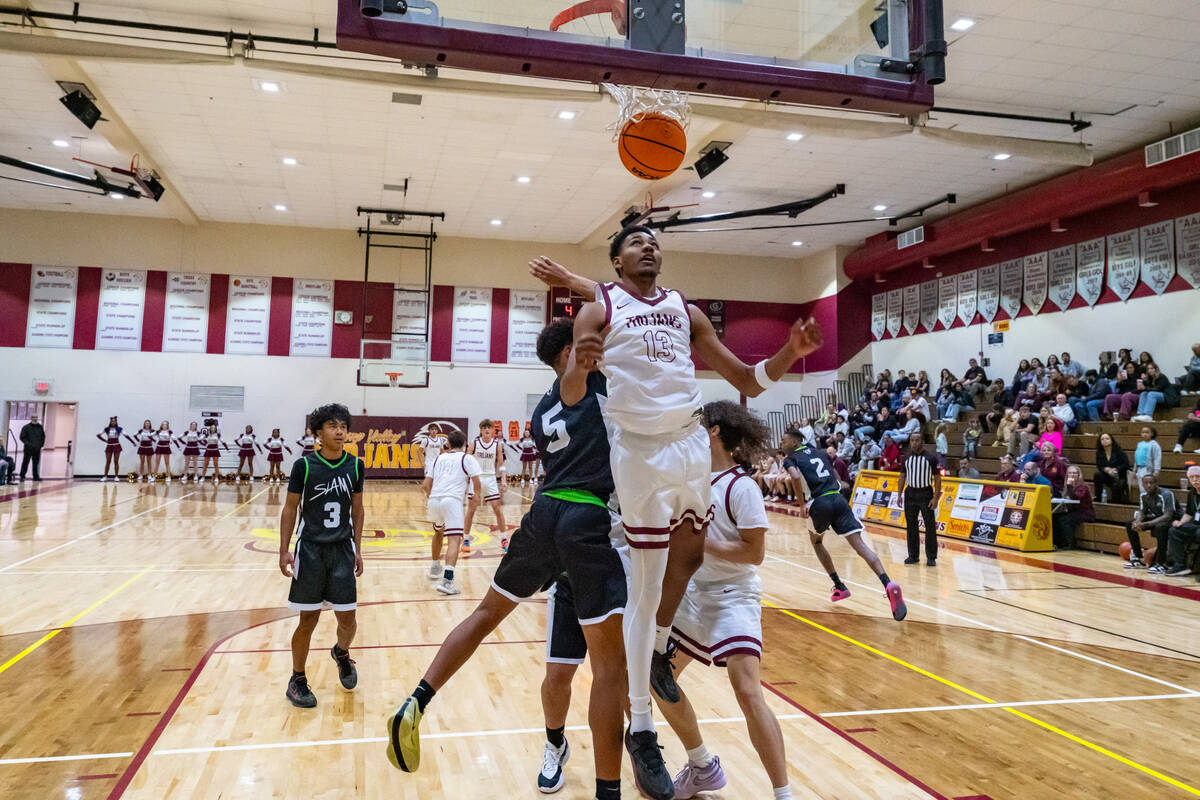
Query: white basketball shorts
[446,514]
[717,620]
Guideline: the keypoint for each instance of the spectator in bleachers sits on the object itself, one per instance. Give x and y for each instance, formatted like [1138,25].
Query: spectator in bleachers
[912,424]
[1066,521]
[975,379]
[1112,471]
[1107,365]
[964,402]
[1155,512]
[885,421]
[1052,466]
[1190,380]
[1051,433]
[806,433]
[1190,429]
[918,404]
[8,466]
[1070,368]
[840,467]
[889,461]
[1033,474]
[841,424]
[1056,383]
[1147,458]
[900,389]
[1052,362]
[1008,471]
[1186,529]
[1101,388]
[1029,397]
[1005,428]
[844,446]
[1022,376]
[1001,394]
[1041,379]
[862,422]
[966,469]
[1144,361]
[829,417]
[1024,432]
[1063,413]
[1154,389]
[868,457]
[971,435]
[941,445]
[922,383]
[945,397]
[1124,395]
[946,378]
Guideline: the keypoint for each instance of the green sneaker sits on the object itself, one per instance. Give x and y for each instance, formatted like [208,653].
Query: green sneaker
[404,736]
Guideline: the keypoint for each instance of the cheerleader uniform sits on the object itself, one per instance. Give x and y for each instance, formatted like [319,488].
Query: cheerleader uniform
[112,440]
[274,450]
[528,451]
[307,445]
[145,442]
[191,442]
[162,445]
[212,443]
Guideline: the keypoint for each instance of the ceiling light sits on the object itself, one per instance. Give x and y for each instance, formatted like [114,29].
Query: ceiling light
[116,195]
[61,143]
[797,244]
[269,86]
[795,136]
[962,24]
[280,207]
[880,208]
[289,161]
[986,246]
[566,115]
[497,222]
[708,194]
[524,179]
[1002,156]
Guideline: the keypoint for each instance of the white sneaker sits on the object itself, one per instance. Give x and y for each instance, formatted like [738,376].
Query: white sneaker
[1142,418]
[435,570]
[1157,569]
[1178,449]
[104,479]
[550,776]
[1135,563]
[168,479]
[447,587]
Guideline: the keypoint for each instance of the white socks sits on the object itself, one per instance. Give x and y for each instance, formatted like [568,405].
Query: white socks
[784,793]
[699,757]
[661,635]
[647,568]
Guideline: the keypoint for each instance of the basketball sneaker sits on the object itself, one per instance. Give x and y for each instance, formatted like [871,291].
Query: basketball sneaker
[1157,569]
[896,598]
[465,548]
[649,771]
[662,675]
[839,593]
[435,570]
[691,780]
[1135,563]
[447,587]
[550,778]
[299,694]
[347,672]
[404,736]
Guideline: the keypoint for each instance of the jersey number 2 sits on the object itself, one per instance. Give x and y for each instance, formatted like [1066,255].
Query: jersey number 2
[821,471]
[334,520]
[555,429]
[658,346]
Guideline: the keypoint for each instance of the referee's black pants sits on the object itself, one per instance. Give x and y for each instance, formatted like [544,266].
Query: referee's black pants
[916,504]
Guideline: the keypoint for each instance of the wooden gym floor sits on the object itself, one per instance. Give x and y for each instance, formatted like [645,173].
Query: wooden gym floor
[144,654]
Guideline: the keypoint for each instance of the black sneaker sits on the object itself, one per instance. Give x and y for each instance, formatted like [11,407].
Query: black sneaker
[346,671]
[662,675]
[299,694]
[911,560]
[649,770]
[931,562]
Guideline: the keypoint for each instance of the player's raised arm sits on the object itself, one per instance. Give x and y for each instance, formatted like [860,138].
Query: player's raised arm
[586,354]
[556,275]
[804,338]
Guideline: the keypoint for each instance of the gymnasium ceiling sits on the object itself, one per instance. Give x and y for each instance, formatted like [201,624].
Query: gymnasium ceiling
[1128,66]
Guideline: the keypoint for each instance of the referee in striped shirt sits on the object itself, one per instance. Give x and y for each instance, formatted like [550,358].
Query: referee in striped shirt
[921,486]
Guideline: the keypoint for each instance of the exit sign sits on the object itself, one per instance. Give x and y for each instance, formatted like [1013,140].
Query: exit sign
[41,386]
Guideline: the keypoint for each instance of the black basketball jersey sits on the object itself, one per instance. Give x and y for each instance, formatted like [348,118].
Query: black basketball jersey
[816,469]
[326,492]
[573,441]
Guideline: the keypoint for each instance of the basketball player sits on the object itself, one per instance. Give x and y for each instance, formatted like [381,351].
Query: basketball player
[446,487]
[720,619]
[489,452]
[111,436]
[566,530]
[326,489]
[642,337]
[812,473]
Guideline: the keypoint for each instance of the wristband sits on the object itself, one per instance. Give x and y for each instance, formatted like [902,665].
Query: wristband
[760,375]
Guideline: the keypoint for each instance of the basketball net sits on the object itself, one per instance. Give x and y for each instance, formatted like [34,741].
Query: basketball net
[636,103]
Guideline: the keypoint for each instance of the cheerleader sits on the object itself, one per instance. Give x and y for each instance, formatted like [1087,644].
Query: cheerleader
[145,449]
[275,448]
[190,442]
[307,443]
[162,450]
[247,444]
[111,436]
[529,458]
[212,449]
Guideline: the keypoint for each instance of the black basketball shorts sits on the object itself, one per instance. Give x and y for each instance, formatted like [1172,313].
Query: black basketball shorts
[565,643]
[323,573]
[833,510]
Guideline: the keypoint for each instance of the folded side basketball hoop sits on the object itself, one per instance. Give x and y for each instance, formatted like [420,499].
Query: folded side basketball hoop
[615,8]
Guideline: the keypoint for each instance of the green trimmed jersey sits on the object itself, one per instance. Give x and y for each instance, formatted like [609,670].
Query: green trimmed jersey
[326,496]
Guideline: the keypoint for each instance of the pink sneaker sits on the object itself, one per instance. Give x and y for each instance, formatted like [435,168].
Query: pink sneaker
[899,610]
[840,594]
[692,780]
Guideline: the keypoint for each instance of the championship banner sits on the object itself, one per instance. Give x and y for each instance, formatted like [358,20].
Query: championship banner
[947,301]
[912,308]
[989,292]
[968,293]
[894,301]
[51,318]
[878,315]
[1010,287]
[392,447]
[1013,515]
[527,317]
[122,306]
[312,318]
[1089,271]
[1062,276]
[1158,255]
[1124,262]
[929,304]
[185,313]
[1035,282]
[471,338]
[248,315]
[1187,248]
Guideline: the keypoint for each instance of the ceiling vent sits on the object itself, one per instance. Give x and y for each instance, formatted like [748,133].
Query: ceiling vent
[1176,147]
[910,238]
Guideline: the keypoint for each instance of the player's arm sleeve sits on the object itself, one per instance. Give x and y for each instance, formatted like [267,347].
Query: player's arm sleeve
[746,502]
[473,468]
[299,476]
[359,469]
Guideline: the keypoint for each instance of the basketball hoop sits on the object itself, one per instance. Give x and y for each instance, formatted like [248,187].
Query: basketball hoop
[393,378]
[614,8]
[636,103]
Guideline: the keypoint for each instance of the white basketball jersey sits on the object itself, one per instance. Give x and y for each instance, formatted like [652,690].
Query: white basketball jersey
[648,362]
[452,473]
[485,454]
[737,504]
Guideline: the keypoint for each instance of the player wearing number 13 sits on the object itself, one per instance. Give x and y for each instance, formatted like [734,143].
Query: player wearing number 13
[325,490]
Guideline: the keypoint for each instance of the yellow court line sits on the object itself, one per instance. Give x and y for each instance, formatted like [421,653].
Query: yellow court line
[248,502]
[945,681]
[71,621]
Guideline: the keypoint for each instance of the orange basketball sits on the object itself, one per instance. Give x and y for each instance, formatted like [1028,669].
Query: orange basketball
[1124,550]
[652,147]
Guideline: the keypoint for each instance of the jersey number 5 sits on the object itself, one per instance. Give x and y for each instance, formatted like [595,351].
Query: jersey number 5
[555,430]
[658,346]
[334,520]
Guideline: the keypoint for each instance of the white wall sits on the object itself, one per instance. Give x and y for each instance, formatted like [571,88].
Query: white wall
[1165,325]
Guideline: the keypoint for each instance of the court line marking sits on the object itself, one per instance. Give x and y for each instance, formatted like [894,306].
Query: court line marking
[95,532]
[990,627]
[947,682]
[974,706]
[56,631]
[51,759]
[248,502]
[425,566]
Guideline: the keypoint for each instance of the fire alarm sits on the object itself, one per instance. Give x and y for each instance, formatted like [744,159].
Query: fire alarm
[41,387]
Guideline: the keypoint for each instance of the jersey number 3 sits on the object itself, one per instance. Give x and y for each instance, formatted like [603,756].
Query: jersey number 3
[658,346]
[555,429]
[334,520]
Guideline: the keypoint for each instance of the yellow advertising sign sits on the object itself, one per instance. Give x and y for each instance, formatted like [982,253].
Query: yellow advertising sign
[1015,515]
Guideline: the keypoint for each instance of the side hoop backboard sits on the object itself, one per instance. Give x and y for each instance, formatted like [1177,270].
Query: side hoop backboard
[876,55]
